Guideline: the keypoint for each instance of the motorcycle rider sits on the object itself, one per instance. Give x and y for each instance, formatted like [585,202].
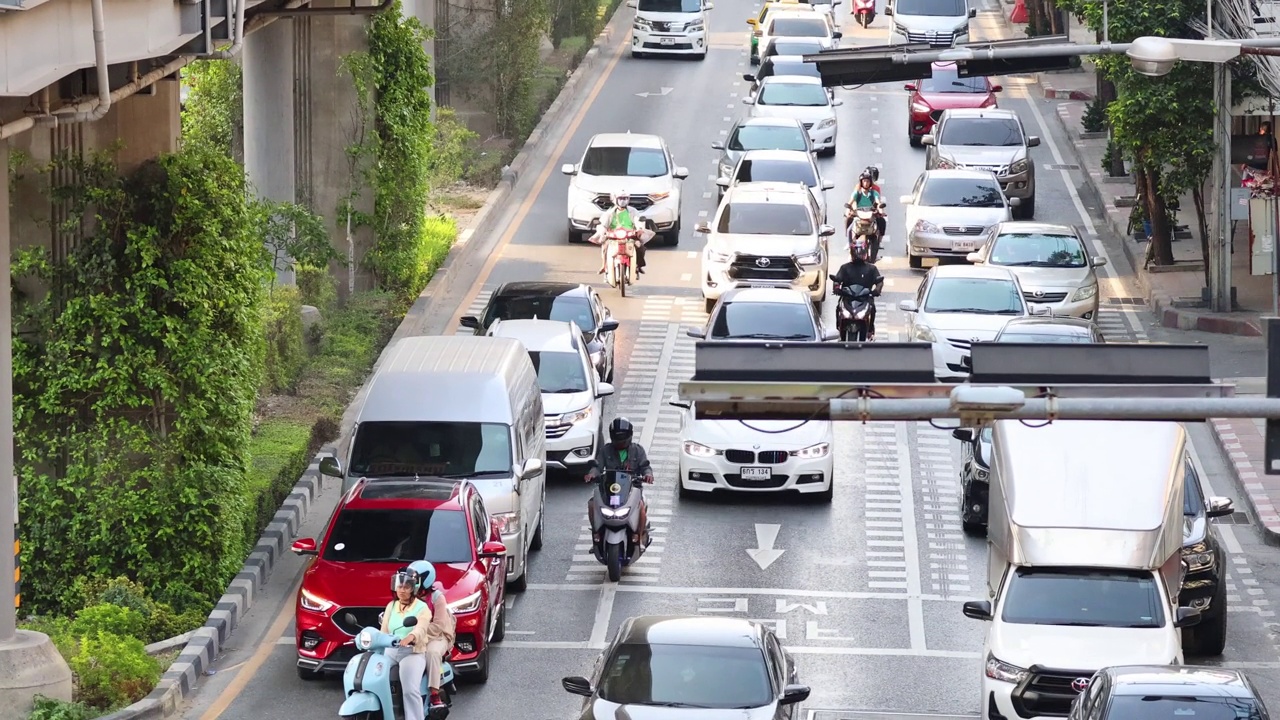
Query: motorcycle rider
[881,221]
[627,456]
[865,197]
[422,647]
[618,216]
[859,271]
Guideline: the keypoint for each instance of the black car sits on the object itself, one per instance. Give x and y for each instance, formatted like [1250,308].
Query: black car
[691,667]
[1139,692]
[1204,587]
[554,301]
[975,477]
[782,65]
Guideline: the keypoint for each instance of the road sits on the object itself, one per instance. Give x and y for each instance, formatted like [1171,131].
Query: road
[867,592]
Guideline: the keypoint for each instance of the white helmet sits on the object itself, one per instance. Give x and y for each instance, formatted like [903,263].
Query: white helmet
[621,199]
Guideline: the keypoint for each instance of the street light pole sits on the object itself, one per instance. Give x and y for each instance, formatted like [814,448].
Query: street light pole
[1220,299]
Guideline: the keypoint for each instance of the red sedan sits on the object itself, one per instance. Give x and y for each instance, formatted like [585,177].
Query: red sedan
[944,91]
[380,527]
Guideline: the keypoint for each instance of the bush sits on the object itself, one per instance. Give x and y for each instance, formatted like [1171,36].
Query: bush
[318,287]
[351,338]
[161,621]
[50,709]
[279,455]
[282,327]
[108,618]
[112,670]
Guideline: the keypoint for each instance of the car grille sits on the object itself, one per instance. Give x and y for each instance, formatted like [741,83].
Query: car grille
[760,267]
[638,202]
[673,46]
[997,169]
[665,26]
[736,481]
[932,38]
[554,428]
[963,345]
[1048,693]
[365,617]
[963,229]
[765,457]
[1044,297]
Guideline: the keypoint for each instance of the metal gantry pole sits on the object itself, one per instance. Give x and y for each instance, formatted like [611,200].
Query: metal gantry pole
[1220,250]
[1117,408]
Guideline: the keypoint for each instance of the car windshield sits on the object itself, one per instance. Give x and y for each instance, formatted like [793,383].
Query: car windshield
[768,137]
[1192,499]
[438,536]
[776,94]
[764,219]
[624,162]
[798,27]
[819,2]
[1037,250]
[987,434]
[1064,337]
[563,308]
[981,132]
[559,372]
[690,676]
[983,296]
[764,321]
[1084,598]
[947,80]
[786,171]
[785,46]
[451,449]
[670,6]
[932,8]
[961,192]
[1181,707]
[791,67]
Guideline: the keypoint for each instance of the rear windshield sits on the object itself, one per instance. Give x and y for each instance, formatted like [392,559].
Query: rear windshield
[1179,707]
[406,449]
[765,321]
[624,162]
[782,94]
[559,372]
[670,6]
[947,80]
[1037,250]
[541,307]
[784,46]
[792,67]
[438,536]
[764,219]
[768,137]
[799,27]
[1083,598]
[751,170]
[961,192]
[1057,338]
[932,8]
[981,132]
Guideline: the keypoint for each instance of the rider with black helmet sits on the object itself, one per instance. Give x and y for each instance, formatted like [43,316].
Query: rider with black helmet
[861,271]
[623,454]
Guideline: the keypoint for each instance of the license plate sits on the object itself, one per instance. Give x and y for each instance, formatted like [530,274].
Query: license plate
[667,41]
[756,473]
[965,244]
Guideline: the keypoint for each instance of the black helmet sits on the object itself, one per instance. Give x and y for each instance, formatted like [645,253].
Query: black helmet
[620,432]
[865,176]
[859,251]
[872,172]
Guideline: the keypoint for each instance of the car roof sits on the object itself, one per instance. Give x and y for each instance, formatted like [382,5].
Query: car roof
[796,12]
[771,121]
[690,630]
[991,272]
[1030,226]
[959,174]
[1034,325]
[788,296]
[769,192]
[539,335]
[793,79]
[625,140]
[981,112]
[535,288]
[425,494]
[787,39]
[780,155]
[774,59]
[1176,680]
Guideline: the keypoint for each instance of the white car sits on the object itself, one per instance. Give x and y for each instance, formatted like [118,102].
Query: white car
[784,166]
[950,211]
[572,393]
[937,23]
[799,98]
[799,24]
[959,305]
[669,27]
[637,164]
[760,456]
[765,235]
[1052,263]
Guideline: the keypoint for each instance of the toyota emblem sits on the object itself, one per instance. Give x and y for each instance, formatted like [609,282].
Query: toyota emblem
[1080,684]
[762,262]
[1038,293]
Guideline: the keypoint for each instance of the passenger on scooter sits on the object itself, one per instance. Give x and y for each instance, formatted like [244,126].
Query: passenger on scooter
[881,221]
[858,271]
[618,216]
[422,647]
[627,456]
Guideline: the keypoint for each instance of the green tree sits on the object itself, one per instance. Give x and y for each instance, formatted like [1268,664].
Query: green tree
[213,114]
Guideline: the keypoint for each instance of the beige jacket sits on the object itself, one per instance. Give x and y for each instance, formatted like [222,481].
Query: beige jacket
[431,626]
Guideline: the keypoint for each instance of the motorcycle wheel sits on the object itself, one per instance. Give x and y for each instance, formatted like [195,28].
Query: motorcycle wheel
[613,561]
[622,282]
[860,333]
[846,333]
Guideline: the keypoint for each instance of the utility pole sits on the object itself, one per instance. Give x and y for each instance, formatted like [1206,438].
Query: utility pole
[1220,299]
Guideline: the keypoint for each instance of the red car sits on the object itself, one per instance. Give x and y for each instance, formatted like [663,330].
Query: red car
[944,91]
[379,527]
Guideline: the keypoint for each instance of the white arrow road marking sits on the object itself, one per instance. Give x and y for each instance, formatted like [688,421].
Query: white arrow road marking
[763,553]
[660,93]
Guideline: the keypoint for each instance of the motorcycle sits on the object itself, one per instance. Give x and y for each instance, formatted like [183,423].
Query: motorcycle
[614,513]
[861,223]
[864,12]
[621,255]
[853,311]
[371,683]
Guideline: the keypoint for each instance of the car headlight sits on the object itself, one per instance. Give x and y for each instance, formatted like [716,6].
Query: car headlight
[1019,167]
[716,256]
[616,514]
[919,107]
[597,357]
[642,24]
[698,449]
[577,415]
[829,122]
[507,522]
[925,226]
[998,669]
[470,603]
[812,258]
[659,197]
[982,474]
[1084,293]
[945,164]
[364,640]
[695,25]
[314,603]
[924,334]
[812,452]
[725,170]
[1198,557]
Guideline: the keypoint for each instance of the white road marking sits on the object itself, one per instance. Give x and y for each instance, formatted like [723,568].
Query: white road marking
[911,550]
[739,592]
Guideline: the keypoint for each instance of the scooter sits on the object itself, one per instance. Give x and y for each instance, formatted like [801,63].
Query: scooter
[371,682]
[852,311]
[864,12]
[614,513]
[621,254]
[861,223]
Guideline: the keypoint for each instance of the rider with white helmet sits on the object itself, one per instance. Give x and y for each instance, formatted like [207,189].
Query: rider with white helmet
[621,215]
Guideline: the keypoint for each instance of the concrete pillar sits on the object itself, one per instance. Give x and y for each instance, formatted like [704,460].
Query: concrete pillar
[29,663]
[269,118]
[425,12]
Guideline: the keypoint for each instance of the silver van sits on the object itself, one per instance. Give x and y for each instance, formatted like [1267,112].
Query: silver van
[459,407]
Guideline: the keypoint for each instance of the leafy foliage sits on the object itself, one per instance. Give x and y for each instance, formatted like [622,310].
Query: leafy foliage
[213,114]
[285,355]
[49,709]
[1095,116]
[112,671]
[293,235]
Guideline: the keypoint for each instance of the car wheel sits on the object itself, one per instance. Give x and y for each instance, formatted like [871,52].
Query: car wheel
[309,675]
[500,625]
[702,57]
[637,55]
[480,675]
[916,263]
[826,496]
[521,583]
[574,235]
[1027,209]
[1209,638]
[673,237]
[709,304]
[536,543]
[609,377]
[829,152]
[915,140]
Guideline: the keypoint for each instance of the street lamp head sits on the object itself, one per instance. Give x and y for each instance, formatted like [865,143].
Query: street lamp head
[1152,56]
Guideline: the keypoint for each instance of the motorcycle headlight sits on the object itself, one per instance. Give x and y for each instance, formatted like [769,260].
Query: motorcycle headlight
[507,522]
[698,449]
[925,226]
[1084,293]
[577,415]
[1019,167]
[998,669]
[812,452]
[470,603]
[1198,557]
[716,256]
[364,640]
[924,334]
[617,514]
[813,258]
[314,603]
[829,122]
[919,107]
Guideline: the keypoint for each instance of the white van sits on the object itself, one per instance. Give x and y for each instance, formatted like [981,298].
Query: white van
[459,407]
[939,23]
[669,27]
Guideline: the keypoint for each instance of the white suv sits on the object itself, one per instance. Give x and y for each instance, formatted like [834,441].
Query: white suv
[669,27]
[572,394]
[639,165]
[765,235]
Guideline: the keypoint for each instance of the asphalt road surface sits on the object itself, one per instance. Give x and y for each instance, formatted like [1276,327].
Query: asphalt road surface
[866,592]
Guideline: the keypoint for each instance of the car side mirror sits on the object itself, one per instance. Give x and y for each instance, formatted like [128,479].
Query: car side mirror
[604,389]
[828,185]
[973,12]
[929,139]
[578,685]
[974,257]
[1033,141]
[631,4]
[1220,507]
[702,228]
[678,403]
[837,102]
[708,6]
[533,467]
[493,549]
[1014,202]
[304,546]
[748,101]
[608,326]
[909,87]
[907,306]
[717,145]
[826,231]
[569,169]
[837,35]
[793,694]
[977,609]
[1187,617]
[888,11]
[680,173]
[997,88]
[696,334]
[829,334]
[722,182]
[905,199]
[330,466]
[1099,261]
[470,321]
[753,22]
[963,434]
[749,77]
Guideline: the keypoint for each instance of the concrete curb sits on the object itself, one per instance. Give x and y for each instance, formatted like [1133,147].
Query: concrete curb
[1245,476]
[1051,94]
[204,644]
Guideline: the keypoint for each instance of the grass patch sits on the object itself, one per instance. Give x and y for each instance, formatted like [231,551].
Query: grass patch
[273,449]
[451,201]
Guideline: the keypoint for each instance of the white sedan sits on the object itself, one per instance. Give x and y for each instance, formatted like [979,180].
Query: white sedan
[759,456]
